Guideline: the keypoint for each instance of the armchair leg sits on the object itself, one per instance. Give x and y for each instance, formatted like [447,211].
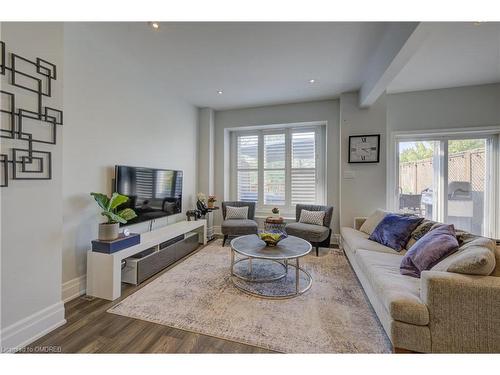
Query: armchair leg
[324,243]
[224,240]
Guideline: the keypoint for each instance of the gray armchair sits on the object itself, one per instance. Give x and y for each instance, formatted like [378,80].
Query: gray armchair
[317,235]
[238,227]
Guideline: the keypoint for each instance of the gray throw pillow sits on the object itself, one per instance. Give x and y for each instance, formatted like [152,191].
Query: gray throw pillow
[236,212]
[312,217]
[424,227]
[474,258]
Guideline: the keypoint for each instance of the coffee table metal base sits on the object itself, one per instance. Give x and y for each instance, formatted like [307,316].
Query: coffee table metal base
[259,280]
[298,270]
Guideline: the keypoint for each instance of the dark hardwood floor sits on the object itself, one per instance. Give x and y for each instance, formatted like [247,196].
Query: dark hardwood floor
[90,329]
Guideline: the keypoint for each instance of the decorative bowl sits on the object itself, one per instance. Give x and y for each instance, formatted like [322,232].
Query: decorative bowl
[272,238]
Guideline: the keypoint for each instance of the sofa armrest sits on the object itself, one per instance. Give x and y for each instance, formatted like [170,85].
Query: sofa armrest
[464,311]
[358,222]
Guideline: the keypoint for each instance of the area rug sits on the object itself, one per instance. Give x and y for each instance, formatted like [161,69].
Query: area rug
[197,295]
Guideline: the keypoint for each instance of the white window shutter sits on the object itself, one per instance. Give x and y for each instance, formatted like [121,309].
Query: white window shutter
[248,152]
[303,172]
[247,168]
[274,169]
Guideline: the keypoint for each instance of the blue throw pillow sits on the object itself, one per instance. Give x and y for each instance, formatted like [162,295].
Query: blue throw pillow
[433,247]
[394,230]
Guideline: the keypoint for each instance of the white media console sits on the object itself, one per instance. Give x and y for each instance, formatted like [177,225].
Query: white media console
[104,270]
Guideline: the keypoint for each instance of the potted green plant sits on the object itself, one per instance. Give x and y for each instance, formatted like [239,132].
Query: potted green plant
[110,230]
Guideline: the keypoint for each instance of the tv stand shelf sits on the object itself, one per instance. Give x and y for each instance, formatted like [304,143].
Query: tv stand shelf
[104,270]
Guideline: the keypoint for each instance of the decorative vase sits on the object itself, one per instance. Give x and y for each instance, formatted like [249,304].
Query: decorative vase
[272,238]
[108,232]
[210,204]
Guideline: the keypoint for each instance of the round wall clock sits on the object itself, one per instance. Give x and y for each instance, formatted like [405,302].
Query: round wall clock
[364,148]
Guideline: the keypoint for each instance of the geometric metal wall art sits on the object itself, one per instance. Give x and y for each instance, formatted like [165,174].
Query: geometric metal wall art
[27,163]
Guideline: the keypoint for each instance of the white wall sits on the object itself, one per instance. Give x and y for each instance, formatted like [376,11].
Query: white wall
[364,190]
[445,108]
[31,235]
[327,110]
[116,112]
[206,139]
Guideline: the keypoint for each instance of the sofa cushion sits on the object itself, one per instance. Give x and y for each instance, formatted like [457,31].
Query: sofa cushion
[394,230]
[437,244]
[399,294]
[309,232]
[238,227]
[474,258]
[372,221]
[359,240]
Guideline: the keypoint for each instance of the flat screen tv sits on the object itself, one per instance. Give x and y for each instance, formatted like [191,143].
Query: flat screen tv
[153,193]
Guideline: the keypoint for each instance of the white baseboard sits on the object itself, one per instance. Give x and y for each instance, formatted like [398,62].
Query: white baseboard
[74,288]
[25,331]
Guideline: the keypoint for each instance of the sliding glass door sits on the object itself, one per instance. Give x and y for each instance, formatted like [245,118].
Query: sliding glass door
[468,188]
[448,179]
[418,184]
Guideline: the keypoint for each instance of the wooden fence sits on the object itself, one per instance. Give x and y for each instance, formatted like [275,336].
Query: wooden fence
[468,166]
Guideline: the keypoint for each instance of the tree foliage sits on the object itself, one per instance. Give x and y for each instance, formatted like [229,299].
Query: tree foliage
[464,145]
[424,150]
[420,151]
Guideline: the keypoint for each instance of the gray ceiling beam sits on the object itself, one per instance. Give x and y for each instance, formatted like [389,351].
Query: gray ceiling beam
[399,43]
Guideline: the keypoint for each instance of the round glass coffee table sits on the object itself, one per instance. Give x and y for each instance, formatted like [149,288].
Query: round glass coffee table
[268,265]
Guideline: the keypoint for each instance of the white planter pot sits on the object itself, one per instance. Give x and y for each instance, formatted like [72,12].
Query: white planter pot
[108,232]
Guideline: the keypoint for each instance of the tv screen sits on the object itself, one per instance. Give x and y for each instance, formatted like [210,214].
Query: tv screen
[152,193]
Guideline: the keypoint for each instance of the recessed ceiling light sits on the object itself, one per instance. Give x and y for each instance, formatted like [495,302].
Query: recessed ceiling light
[220,92]
[312,81]
[155,25]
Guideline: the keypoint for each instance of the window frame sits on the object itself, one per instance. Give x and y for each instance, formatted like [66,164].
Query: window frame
[287,210]
[492,181]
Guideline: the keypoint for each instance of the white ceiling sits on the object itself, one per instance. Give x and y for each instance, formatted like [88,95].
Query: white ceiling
[271,63]
[453,55]
[253,63]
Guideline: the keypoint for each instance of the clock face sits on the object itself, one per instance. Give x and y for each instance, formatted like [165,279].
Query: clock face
[364,149]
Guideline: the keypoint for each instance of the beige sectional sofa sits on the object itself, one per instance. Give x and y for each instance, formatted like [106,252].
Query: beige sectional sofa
[442,312]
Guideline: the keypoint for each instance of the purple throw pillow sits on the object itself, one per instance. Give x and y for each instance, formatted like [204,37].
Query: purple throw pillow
[433,247]
[395,230]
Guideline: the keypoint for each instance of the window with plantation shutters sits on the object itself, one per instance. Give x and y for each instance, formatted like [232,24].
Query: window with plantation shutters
[247,168]
[278,167]
[303,169]
[274,169]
